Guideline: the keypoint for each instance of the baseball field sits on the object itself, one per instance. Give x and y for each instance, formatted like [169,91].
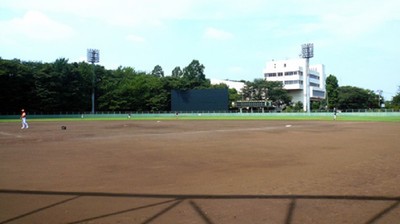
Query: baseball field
[200,171]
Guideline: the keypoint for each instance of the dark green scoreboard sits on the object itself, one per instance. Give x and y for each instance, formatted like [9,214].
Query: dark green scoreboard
[200,100]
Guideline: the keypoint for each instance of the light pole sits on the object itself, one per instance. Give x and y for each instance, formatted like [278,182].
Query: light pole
[379,97]
[93,56]
[307,52]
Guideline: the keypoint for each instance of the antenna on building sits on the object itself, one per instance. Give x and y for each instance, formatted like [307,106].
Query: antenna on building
[307,52]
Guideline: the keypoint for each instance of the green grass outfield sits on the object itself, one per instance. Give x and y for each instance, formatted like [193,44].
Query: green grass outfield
[365,117]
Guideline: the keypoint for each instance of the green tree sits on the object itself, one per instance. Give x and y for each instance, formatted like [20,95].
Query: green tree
[332,95]
[144,93]
[351,97]
[15,86]
[113,89]
[127,90]
[316,105]
[194,77]
[49,86]
[261,89]
[158,71]
[396,100]
[170,83]
[295,107]
[256,90]
[75,91]
[84,84]
[157,96]
[219,86]
[233,96]
[177,72]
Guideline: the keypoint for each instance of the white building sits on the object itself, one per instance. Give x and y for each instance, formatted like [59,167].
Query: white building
[231,84]
[291,74]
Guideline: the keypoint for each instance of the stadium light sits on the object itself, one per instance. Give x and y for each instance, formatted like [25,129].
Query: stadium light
[93,56]
[307,52]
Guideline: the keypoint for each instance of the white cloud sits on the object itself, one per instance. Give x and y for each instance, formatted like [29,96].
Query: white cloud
[36,25]
[117,13]
[217,34]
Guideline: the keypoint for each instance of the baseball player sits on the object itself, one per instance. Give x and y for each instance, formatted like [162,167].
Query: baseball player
[23,117]
[334,113]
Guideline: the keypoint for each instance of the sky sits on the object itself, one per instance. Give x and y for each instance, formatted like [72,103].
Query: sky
[356,40]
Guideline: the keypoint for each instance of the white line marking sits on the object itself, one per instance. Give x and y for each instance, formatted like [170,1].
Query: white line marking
[9,134]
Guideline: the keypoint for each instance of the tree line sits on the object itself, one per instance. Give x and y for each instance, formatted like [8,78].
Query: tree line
[63,86]
[351,97]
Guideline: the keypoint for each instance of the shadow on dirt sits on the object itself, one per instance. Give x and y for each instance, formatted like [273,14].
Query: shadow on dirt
[173,200]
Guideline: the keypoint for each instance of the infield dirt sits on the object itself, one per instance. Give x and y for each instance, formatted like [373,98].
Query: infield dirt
[200,172]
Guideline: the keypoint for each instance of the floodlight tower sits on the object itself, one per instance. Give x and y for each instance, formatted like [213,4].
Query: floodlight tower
[93,56]
[307,52]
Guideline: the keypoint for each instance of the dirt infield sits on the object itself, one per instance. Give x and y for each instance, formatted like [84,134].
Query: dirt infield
[283,172]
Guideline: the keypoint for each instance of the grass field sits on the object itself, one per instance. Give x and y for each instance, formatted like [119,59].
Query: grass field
[278,117]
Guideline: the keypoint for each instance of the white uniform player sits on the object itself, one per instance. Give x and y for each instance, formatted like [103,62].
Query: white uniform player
[23,117]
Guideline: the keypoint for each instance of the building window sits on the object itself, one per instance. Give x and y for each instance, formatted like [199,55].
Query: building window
[270,74]
[317,93]
[291,82]
[284,65]
[289,73]
[314,77]
[280,73]
[314,84]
